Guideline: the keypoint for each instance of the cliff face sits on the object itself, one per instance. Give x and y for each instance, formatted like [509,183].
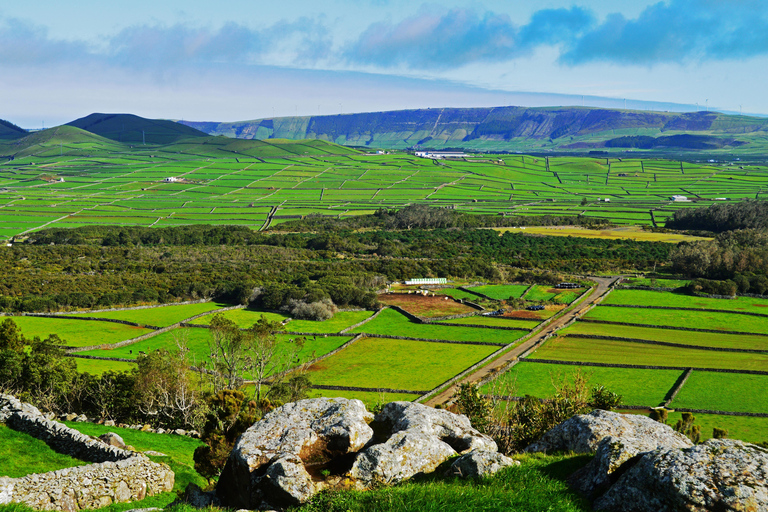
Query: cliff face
[458,127]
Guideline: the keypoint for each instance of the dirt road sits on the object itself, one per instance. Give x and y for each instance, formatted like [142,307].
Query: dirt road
[603,285]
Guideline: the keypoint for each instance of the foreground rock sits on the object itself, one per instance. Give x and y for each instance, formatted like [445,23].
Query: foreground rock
[583,433]
[302,448]
[719,475]
[479,464]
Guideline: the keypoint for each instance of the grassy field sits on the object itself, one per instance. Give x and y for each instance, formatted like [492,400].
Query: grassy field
[161,316]
[539,380]
[501,292]
[681,300]
[606,351]
[396,364]
[459,294]
[704,339]
[541,293]
[751,430]
[624,232]
[78,333]
[680,318]
[21,454]
[369,398]
[428,307]
[98,366]
[656,282]
[247,317]
[392,323]
[494,321]
[724,392]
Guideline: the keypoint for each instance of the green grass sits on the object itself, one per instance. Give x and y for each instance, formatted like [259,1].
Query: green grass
[606,351]
[704,339]
[670,299]
[502,291]
[161,316]
[98,366]
[77,333]
[637,386]
[369,398]
[396,364]
[495,321]
[391,323]
[745,428]
[459,294]
[724,392]
[540,293]
[538,484]
[657,283]
[21,454]
[247,317]
[681,318]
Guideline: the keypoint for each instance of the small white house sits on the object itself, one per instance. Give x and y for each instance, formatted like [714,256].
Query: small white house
[171,179]
[679,198]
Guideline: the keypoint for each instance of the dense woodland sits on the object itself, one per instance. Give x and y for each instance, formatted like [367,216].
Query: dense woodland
[722,217]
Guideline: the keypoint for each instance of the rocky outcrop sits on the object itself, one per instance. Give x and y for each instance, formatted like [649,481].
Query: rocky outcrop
[417,440]
[302,448]
[479,464]
[719,475]
[583,433]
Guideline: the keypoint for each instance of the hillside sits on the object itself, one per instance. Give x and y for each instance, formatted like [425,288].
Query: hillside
[510,128]
[56,141]
[9,131]
[134,129]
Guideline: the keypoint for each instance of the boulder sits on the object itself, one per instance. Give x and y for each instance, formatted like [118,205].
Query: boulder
[415,439]
[313,436]
[479,464]
[109,423]
[718,475]
[9,404]
[112,439]
[582,433]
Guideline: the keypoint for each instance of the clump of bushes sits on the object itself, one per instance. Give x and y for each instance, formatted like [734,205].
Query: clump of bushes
[322,309]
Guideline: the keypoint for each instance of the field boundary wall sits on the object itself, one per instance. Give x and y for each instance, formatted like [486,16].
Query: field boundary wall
[434,340]
[674,308]
[90,318]
[663,343]
[678,386]
[362,322]
[372,390]
[497,327]
[645,367]
[670,327]
[104,358]
[127,308]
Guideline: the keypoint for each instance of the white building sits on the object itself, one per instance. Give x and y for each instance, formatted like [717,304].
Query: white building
[679,198]
[171,179]
[441,155]
[428,280]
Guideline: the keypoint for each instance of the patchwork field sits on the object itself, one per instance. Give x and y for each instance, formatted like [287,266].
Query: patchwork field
[77,333]
[501,292]
[681,318]
[431,306]
[21,455]
[246,318]
[161,316]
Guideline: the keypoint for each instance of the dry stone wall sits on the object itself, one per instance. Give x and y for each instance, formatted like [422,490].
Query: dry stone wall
[116,476]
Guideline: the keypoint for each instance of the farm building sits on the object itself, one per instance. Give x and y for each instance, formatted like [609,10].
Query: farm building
[441,155]
[679,198]
[171,179]
[568,285]
[428,280]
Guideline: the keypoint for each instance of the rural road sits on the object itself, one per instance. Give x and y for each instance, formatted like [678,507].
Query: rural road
[603,285]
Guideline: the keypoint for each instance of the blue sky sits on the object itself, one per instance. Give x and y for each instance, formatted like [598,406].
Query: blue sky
[246,59]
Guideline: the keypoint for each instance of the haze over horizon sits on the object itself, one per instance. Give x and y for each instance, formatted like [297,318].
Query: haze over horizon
[244,60]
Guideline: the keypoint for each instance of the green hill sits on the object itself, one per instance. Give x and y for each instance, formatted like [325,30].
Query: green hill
[129,128]
[225,147]
[511,128]
[9,131]
[61,140]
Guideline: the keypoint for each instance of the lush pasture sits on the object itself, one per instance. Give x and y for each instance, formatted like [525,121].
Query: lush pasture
[369,398]
[391,323]
[99,366]
[636,386]
[680,300]
[704,339]
[161,316]
[247,317]
[680,318]
[501,292]
[724,392]
[396,364]
[459,294]
[752,430]
[428,307]
[608,351]
[494,321]
[21,455]
[77,333]
[656,282]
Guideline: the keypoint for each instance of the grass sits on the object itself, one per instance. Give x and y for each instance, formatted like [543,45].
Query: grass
[745,428]
[540,293]
[77,333]
[538,484]
[681,318]
[494,321]
[539,380]
[460,294]
[21,454]
[429,307]
[724,392]
[369,398]
[615,233]
[161,316]
[608,351]
[704,339]
[99,366]
[396,364]
[682,300]
[247,317]
[501,292]
[391,323]
[656,282]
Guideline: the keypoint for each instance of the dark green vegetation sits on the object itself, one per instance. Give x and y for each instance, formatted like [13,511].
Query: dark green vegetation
[22,454]
[129,128]
[513,128]
[9,130]
[722,217]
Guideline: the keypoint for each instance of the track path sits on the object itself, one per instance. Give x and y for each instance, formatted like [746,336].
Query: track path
[603,285]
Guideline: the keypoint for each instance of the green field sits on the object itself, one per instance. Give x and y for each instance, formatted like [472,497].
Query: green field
[636,386]
[78,333]
[680,300]
[21,455]
[396,364]
[247,317]
[704,339]
[724,392]
[391,323]
[608,351]
[99,366]
[541,293]
[459,294]
[369,398]
[162,316]
[494,321]
[749,429]
[501,292]
[681,318]
[656,283]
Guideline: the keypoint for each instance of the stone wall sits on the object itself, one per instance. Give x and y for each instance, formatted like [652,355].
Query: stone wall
[116,476]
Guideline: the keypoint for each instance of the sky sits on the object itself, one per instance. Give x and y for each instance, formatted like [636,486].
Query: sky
[236,60]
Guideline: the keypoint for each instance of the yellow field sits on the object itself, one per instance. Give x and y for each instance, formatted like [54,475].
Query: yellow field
[624,232]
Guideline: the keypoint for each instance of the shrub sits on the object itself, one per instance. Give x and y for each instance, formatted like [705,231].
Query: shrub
[719,433]
[659,414]
[320,310]
[686,427]
[472,404]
